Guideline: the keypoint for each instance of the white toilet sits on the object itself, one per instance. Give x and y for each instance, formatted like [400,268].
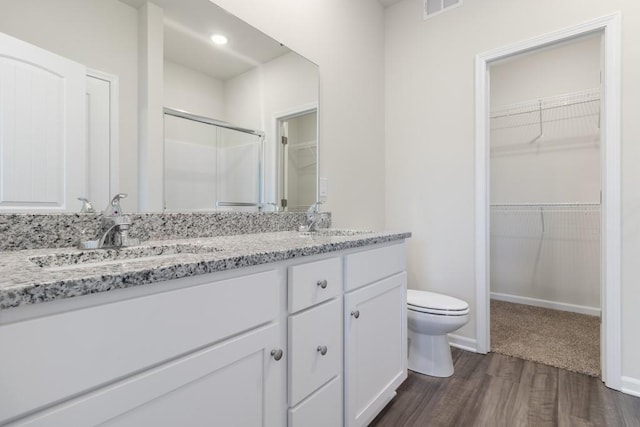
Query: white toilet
[430,317]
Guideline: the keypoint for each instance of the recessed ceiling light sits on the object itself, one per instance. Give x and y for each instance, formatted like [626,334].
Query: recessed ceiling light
[219,39]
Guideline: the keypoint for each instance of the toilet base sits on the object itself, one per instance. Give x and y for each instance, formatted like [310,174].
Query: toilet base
[429,354]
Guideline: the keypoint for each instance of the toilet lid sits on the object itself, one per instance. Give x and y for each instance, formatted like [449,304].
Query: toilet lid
[431,302]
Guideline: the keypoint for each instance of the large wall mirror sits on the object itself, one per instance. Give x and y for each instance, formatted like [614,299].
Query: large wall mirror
[233,126]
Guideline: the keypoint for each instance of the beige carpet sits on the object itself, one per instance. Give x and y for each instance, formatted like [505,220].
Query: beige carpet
[557,338]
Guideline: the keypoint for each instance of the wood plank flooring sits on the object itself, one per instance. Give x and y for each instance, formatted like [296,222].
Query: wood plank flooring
[496,390]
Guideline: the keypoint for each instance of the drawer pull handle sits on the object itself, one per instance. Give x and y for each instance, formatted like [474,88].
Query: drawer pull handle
[355,313]
[322,283]
[322,349]
[277,354]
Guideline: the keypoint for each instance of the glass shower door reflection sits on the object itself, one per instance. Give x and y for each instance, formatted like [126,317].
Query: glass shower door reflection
[238,170]
[208,167]
[190,158]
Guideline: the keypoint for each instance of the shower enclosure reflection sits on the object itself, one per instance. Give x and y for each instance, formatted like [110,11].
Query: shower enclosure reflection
[210,165]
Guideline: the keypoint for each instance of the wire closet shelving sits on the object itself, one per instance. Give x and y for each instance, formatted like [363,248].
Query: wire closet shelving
[570,120]
[572,221]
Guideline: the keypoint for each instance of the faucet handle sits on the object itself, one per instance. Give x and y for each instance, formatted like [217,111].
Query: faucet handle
[276,207]
[113,208]
[87,207]
[313,209]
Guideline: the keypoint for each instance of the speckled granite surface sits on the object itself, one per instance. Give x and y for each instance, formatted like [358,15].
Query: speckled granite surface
[35,231]
[39,275]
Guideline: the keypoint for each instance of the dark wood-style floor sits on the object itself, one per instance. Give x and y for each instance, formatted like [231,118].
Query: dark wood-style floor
[496,390]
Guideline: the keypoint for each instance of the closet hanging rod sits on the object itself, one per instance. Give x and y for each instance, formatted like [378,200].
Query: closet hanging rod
[499,116]
[537,205]
[547,121]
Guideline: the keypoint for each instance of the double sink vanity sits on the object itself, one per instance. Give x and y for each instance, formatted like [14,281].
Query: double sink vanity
[213,317]
[263,328]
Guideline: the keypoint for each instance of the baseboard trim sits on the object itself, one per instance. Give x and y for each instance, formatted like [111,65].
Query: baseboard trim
[630,386]
[582,309]
[463,343]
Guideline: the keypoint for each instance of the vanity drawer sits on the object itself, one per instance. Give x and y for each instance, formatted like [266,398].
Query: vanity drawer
[55,357]
[323,408]
[310,334]
[362,268]
[314,282]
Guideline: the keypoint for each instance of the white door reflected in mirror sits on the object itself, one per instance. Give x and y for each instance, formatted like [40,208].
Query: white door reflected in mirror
[42,137]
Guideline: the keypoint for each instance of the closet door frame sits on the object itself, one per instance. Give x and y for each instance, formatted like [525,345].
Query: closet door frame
[114,133]
[611,239]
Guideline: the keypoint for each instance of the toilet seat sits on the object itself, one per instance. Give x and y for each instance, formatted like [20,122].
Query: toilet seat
[433,303]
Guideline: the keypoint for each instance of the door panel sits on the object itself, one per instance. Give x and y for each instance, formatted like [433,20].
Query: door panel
[42,137]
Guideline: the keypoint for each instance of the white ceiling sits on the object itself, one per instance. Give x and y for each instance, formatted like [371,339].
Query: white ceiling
[187,29]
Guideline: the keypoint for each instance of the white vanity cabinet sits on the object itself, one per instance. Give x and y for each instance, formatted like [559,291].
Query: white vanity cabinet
[375,331]
[199,355]
[315,344]
[368,315]
[313,341]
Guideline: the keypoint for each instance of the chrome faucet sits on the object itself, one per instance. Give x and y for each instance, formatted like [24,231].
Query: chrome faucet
[114,232]
[313,218]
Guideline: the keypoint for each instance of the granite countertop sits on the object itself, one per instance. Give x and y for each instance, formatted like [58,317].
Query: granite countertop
[40,275]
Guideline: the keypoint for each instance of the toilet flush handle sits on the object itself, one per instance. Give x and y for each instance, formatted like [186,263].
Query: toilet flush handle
[355,313]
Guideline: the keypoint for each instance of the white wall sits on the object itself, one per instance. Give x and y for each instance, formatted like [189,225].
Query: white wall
[243,99]
[346,39]
[101,35]
[283,84]
[555,70]
[190,90]
[430,135]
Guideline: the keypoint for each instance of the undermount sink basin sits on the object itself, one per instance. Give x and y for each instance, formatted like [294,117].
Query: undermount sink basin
[110,256]
[335,232]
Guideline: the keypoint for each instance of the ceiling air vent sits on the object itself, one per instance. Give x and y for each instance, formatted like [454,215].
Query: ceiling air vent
[434,7]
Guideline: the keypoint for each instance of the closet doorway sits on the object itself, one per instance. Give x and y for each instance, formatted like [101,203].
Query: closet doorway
[297,155]
[544,168]
[609,29]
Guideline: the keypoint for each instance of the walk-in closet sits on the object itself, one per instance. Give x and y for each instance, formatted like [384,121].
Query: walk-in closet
[545,214]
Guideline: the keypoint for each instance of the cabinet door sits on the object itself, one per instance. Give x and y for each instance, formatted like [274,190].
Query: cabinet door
[89,348]
[375,347]
[237,382]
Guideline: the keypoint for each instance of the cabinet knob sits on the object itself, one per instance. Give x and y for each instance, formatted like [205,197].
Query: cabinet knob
[322,283]
[355,313]
[322,349]
[277,354]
